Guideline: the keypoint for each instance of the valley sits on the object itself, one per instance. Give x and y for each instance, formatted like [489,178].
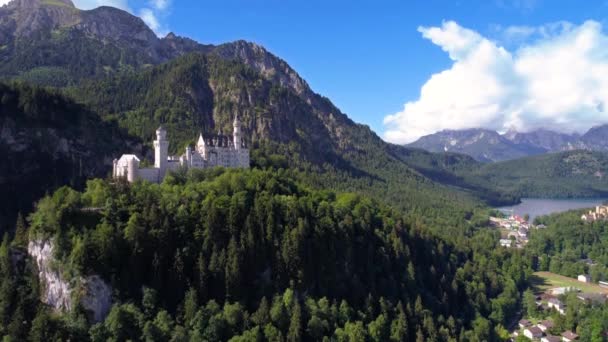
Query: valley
[324,231]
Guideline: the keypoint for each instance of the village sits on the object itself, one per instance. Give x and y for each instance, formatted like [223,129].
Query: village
[514,230]
[555,297]
[600,213]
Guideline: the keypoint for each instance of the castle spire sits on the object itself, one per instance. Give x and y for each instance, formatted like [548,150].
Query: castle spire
[200,145]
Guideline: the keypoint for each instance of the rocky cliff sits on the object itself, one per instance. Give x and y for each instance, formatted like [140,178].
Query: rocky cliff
[92,292]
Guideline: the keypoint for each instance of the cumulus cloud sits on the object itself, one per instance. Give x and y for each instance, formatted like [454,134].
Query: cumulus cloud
[556,79]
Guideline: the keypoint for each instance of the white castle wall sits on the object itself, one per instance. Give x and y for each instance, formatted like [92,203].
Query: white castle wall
[149,174]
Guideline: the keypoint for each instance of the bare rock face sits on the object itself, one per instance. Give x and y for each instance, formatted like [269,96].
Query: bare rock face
[97,297]
[27,17]
[108,23]
[271,67]
[58,292]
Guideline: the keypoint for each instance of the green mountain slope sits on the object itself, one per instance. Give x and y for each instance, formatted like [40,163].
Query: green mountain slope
[47,141]
[564,174]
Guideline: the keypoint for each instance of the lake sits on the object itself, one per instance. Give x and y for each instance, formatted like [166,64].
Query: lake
[542,206]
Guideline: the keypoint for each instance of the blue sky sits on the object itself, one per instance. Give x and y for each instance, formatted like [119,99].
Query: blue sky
[370,58]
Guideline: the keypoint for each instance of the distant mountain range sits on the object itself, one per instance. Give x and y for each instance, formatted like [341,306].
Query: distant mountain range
[490,146]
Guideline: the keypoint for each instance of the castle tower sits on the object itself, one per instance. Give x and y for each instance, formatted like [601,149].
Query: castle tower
[188,155]
[115,168]
[161,151]
[132,167]
[236,135]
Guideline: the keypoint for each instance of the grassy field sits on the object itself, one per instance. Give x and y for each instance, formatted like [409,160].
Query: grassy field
[541,281]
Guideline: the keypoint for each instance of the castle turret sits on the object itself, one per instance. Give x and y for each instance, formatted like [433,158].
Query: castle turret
[132,168]
[115,168]
[161,150]
[237,139]
[188,155]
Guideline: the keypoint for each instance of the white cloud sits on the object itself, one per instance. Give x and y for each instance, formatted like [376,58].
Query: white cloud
[557,80]
[4,2]
[147,15]
[161,4]
[153,18]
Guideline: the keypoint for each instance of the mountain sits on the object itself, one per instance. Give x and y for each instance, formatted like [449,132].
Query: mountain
[596,138]
[546,140]
[50,42]
[482,144]
[490,146]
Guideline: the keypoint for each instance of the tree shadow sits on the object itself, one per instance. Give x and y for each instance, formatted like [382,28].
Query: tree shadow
[538,283]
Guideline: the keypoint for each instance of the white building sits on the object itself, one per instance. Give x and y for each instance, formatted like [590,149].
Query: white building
[505,242]
[545,325]
[533,333]
[569,336]
[585,278]
[214,151]
[557,305]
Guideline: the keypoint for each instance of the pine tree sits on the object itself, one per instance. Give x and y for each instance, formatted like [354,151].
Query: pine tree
[190,305]
[21,238]
[41,327]
[262,315]
[399,326]
[295,325]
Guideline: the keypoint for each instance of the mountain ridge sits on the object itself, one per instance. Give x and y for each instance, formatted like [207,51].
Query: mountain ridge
[512,144]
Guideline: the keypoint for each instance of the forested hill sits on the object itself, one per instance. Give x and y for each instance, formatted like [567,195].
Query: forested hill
[255,255]
[555,175]
[47,141]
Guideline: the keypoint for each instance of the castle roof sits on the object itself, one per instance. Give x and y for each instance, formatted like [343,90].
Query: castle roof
[128,157]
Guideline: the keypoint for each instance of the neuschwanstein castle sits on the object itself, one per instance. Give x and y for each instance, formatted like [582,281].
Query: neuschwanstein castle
[214,151]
